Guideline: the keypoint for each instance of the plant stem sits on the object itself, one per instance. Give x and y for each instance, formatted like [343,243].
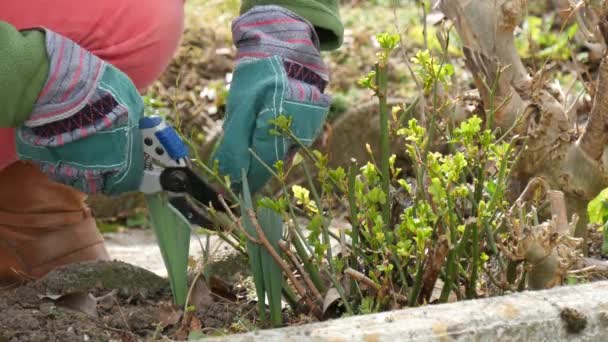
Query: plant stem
[305,276]
[273,253]
[382,94]
[471,292]
[449,275]
[289,296]
[308,266]
[512,271]
[358,276]
[453,255]
[315,194]
[522,283]
[352,203]
[415,291]
[382,82]
[332,270]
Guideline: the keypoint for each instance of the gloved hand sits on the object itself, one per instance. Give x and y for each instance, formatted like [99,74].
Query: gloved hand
[84,130]
[279,72]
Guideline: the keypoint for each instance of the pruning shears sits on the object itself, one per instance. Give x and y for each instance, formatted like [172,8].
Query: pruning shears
[168,171]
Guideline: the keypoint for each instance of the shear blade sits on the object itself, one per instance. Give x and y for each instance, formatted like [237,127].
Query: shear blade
[195,215]
[184,180]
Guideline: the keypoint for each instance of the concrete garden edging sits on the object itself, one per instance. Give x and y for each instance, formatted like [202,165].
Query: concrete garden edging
[568,313]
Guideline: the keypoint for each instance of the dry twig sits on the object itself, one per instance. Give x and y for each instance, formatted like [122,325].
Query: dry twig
[298,286]
[285,247]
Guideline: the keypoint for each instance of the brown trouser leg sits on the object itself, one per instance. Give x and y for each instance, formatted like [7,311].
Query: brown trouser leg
[43,225]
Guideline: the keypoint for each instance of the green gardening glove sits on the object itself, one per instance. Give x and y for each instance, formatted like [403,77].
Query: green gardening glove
[84,129]
[279,71]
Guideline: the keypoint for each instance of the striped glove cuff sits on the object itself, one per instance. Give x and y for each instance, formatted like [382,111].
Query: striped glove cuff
[267,31]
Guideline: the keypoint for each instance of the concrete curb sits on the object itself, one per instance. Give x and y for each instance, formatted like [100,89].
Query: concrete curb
[569,313]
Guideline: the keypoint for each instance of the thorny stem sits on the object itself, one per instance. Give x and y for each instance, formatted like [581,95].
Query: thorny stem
[286,192]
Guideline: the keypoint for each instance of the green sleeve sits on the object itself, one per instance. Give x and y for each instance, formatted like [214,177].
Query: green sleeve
[24,66]
[323,14]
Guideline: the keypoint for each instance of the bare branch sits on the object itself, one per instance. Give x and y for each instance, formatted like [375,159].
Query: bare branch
[559,212]
[362,278]
[285,247]
[273,253]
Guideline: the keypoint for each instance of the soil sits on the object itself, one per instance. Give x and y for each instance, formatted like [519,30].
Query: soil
[115,301]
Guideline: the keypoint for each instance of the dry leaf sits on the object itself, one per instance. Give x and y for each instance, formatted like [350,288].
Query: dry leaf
[168,315]
[223,51]
[434,18]
[195,324]
[222,289]
[107,301]
[78,301]
[49,296]
[331,297]
[201,295]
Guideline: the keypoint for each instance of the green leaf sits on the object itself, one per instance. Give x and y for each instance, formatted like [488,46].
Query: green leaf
[338,175]
[302,196]
[272,225]
[254,251]
[196,335]
[388,41]
[376,195]
[138,220]
[173,236]
[267,274]
[598,208]
[279,205]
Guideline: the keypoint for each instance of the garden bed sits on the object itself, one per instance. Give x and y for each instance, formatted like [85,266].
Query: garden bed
[460,209]
[572,313]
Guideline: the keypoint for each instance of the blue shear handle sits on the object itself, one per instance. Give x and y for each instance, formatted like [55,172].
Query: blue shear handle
[167,136]
[150,122]
[173,144]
